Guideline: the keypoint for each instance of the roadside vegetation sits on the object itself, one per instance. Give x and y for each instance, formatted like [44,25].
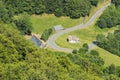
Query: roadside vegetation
[45,35]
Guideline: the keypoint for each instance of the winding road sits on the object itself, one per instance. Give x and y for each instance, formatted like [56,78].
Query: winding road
[51,41]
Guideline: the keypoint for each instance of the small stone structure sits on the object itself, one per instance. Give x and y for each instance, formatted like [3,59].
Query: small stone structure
[58,28]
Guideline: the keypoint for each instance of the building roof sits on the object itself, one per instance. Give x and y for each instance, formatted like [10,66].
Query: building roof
[73,38]
[36,41]
[58,27]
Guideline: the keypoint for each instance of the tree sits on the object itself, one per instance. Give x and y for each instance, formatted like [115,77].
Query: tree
[23,23]
[101,40]
[86,47]
[4,13]
[94,53]
[112,69]
[112,77]
[71,8]
[110,17]
[94,2]
[102,23]
[74,51]
[110,43]
[81,50]
[116,2]
[45,35]
[38,7]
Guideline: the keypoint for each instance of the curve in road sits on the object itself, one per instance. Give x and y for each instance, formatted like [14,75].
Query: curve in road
[51,41]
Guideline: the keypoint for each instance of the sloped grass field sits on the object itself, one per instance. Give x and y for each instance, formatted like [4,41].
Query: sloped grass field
[108,57]
[45,21]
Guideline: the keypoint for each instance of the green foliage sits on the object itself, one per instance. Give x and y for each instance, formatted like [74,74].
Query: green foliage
[84,48]
[11,42]
[109,18]
[94,52]
[112,77]
[23,23]
[96,59]
[81,50]
[102,23]
[110,43]
[71,8]
[4,13]
[94,2]
[20,60]
[112,70]
[45,35]
[116,2]
[85,61]
[75,51]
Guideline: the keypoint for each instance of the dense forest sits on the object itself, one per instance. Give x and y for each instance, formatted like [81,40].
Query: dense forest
[110,17]
[72,8]
[19,59]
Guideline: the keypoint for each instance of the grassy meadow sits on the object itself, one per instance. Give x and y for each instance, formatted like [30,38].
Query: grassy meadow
[108,57]
[45,21]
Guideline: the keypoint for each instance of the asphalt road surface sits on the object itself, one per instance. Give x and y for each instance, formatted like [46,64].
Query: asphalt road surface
[51,41]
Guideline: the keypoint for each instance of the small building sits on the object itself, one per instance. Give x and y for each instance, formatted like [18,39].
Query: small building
[37,42]
[58,28]
[73,39]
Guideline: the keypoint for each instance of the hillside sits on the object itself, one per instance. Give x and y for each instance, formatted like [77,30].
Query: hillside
[21,60]
[93,53]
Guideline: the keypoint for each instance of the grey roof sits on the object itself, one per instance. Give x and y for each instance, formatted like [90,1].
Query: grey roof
[58,27]
[36,41]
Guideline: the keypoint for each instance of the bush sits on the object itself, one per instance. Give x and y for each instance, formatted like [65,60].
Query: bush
[46,34]
[74,51]
[94,52]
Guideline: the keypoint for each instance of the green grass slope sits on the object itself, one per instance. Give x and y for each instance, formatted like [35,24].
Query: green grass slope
[108,57]
[45,21]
